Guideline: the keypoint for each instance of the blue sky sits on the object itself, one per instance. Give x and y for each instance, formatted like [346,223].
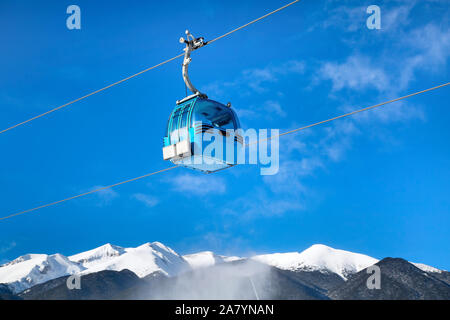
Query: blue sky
[376,183]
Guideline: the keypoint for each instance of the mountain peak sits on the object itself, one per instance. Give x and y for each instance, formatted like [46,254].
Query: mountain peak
[342,262]
[142,260]
[158,246]
[320,247]
[103,252]
[321,258]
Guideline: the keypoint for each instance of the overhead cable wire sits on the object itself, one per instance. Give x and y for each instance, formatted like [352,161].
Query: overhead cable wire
[350,113]
[87,193]
[90,94]
[282,134]
[252,22]
[139,73]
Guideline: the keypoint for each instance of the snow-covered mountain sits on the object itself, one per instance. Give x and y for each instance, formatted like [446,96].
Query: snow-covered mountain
[32,269]
[143,260]
[322,258]
[319,258]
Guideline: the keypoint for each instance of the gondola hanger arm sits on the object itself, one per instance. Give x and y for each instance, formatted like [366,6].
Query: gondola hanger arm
[192,44]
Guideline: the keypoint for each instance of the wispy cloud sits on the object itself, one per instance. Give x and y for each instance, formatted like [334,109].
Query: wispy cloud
[414,48]
[351,18]
[337,140]
[292,170]
[389,72]
[260,202]
[274,107]
[255,80]
[431,48]
[104,197]
[356,73]
[258,78]
[343,17]
[148,200]
[266,110]
[402,111]
[397,17]
[283,192]
[197,184]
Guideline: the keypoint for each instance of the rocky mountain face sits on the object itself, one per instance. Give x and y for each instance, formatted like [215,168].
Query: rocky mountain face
[400,280]
[105,284]
[6,293]
[154,271]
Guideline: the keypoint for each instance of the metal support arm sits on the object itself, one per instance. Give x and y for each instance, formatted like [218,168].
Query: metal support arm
[192,44]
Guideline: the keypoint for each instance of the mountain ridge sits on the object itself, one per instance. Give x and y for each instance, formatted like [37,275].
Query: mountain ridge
[154,257]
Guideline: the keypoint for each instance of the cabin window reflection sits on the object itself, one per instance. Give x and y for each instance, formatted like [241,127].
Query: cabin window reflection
[214,114]
[184,117]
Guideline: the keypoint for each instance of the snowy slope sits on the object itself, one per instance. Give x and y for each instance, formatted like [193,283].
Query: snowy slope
[31,269]
[143,260]
[207,259]
[426,268]
[321,258]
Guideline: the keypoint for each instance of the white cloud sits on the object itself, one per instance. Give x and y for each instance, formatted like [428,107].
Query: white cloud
[431,45]
[294,143]
[337,139]
[283,192]
[288,180]
[271,108]
[353,18]
[348,18]
[413,47]
[244,113]
[420,49]
[396,112]
[260,202]
[356,73]
[148,200]
[255,80]
[397,17]
[196,184]
[105,196]
[274,107]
